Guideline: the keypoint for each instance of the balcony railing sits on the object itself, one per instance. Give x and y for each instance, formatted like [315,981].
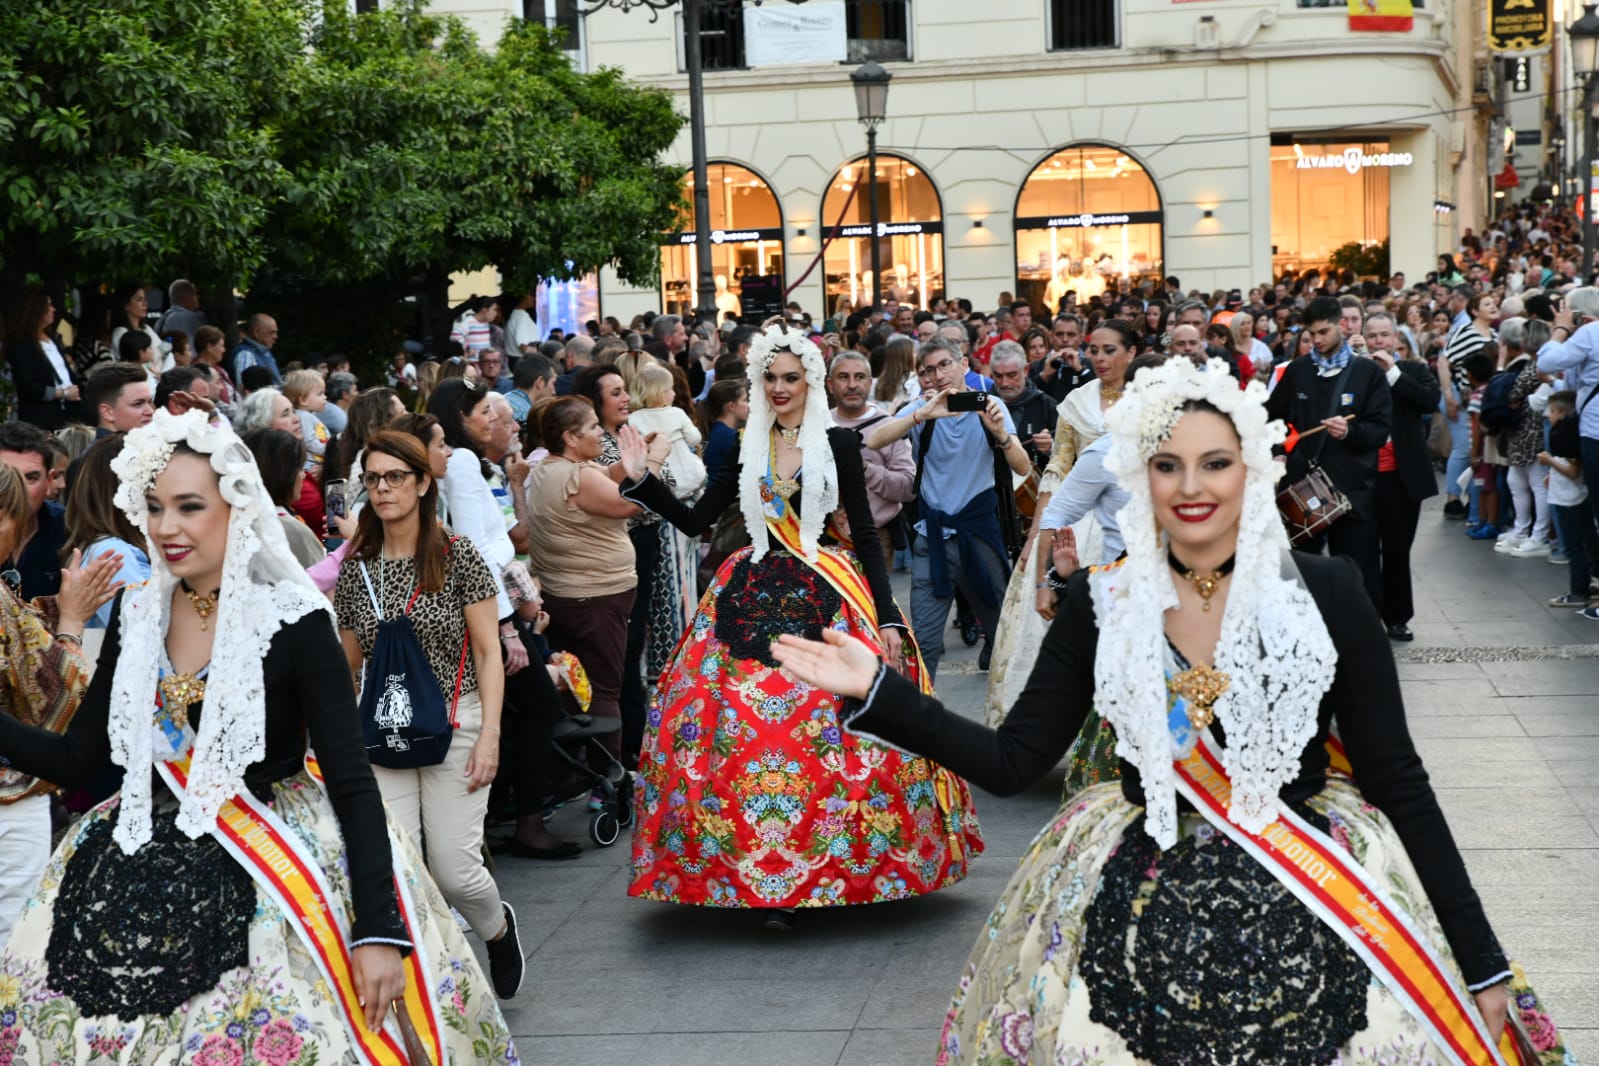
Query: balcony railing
[1078,25]
[877,29]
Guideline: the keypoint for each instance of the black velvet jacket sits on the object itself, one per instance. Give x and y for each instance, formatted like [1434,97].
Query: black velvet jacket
[722,493]
[1364,700]
[309,695]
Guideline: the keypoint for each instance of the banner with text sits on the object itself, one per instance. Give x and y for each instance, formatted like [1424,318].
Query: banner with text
[1519,27]
[1381,16]
[814,33]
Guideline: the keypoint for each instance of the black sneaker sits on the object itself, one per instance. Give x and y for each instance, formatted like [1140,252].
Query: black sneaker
[506,965]
[780,919]
[985,656]
[1453,508]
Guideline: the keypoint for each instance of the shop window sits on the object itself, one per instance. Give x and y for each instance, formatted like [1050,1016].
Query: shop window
[910,234]
[1326,195]
[746,241]
[567,304]
[1076,25]
[1088,220]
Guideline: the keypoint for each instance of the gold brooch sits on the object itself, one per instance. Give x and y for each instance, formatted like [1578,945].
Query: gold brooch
[178,692]
[1201,686]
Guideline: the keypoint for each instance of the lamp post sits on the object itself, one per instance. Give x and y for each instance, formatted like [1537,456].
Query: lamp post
[1557,146]
[1584,34]
[705,295]
[871,105]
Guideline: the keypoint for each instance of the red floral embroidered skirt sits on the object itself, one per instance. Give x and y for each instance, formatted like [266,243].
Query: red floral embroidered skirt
[750,794]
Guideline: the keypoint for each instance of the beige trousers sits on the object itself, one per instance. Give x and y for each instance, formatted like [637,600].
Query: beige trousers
[446,823]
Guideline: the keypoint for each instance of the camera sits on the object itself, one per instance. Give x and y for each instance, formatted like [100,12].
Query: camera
[967,401]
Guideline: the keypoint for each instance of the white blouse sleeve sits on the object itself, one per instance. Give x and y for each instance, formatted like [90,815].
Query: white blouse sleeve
[475,515]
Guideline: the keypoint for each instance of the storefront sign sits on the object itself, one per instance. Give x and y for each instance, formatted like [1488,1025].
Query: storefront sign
[814,33]
[1519,27]
[1353,159]
[892,229]
[1089,220]
[729,236]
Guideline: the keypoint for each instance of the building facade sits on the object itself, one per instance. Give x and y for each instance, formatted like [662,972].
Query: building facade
[1035,146]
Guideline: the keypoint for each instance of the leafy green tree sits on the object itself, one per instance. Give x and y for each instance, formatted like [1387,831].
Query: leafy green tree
[412,154]
[135,139]
[314,159]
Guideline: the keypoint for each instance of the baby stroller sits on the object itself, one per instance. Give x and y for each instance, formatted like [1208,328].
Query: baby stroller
[579,744]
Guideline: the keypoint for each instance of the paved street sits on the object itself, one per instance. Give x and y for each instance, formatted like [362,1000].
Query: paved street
[1500,692]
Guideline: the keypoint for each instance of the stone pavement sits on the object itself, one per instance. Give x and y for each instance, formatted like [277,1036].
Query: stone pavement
[1501,696]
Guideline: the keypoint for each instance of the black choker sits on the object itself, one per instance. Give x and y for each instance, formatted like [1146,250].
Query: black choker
[1205,585]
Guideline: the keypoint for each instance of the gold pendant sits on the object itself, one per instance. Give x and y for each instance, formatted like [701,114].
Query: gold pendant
[1201,686]
[785,487]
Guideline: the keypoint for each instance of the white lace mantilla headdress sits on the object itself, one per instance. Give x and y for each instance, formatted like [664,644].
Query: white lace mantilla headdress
[1273,645]
[263,589]
[819,473]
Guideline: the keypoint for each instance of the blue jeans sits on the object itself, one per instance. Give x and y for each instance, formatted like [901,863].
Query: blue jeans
[1459,447]
[930,612]
[1582,544]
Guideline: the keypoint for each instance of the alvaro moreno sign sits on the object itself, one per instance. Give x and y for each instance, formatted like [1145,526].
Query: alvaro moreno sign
[1353,160]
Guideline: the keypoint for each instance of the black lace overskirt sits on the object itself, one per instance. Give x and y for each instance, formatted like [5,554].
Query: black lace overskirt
[780,594]
[142,933]
[1199,957]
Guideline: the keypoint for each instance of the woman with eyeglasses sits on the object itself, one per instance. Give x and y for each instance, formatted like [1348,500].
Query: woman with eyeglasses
[401,562]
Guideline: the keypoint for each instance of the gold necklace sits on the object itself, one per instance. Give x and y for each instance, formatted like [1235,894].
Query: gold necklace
[1109,395]
[1201,686]
[204,606]
[790,436]
[1204,584]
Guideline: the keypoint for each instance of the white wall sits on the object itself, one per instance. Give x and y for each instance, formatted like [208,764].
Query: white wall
[1198,118]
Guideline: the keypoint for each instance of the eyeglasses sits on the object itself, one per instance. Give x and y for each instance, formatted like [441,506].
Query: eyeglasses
[936,368]
[392,478]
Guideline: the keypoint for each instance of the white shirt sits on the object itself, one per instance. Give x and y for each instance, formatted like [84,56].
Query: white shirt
[520,329]
[475,514]
[58,364]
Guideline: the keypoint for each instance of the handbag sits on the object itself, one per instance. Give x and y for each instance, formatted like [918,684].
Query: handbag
[403,721]
[1440,441]
[1312,504]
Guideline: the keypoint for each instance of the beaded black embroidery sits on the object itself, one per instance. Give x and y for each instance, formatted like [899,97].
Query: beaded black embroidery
[1199,957]
[781,594]
[142,933]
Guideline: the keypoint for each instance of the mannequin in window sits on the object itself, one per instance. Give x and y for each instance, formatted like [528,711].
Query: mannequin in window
[1059,285]
[902,288]
[726,301]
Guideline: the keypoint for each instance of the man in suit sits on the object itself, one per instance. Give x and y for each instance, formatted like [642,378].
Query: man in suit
[1404,468]
[1348,399]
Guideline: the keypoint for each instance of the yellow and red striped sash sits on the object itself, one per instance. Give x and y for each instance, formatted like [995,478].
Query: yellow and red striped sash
[1338,891]
[277,860]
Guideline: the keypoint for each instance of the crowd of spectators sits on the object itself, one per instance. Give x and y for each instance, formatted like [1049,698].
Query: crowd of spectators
[1473,384]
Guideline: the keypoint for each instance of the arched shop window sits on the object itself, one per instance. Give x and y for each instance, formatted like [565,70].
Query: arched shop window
[910,233]
[746,240]
[1088,219]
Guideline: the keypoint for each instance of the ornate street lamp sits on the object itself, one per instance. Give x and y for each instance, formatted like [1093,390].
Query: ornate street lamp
[871,106]
[705,297]
[1584,34]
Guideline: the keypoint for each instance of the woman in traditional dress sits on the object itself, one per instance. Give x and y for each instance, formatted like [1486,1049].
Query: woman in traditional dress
[188,917]
[749,794]
[1228,900]
[1029,601]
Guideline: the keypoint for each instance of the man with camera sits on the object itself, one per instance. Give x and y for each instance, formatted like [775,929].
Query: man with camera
[966,448]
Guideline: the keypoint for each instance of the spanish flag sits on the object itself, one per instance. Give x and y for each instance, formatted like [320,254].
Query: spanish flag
[1382,16]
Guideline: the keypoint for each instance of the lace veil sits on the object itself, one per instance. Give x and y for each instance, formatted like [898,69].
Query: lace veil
[819,472]
[263,589]
[1273,645]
